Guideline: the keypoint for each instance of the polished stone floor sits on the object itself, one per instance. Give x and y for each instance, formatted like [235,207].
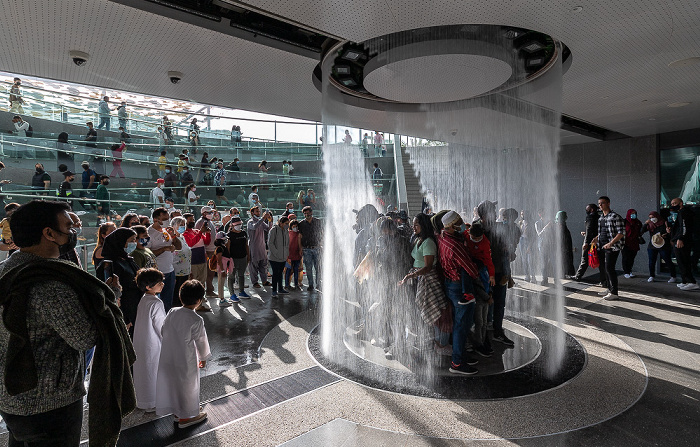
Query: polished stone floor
[640,384]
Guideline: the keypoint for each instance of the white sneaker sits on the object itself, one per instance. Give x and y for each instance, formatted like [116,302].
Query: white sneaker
[628,276]
[691,286]
[224,303]
[611,297]
[632,275]
[603,293]
[672,280]
[651,279]
[680,285]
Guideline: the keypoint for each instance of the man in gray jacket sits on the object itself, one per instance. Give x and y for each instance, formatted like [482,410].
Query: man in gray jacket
[256,228]
[104,112]
[278,244]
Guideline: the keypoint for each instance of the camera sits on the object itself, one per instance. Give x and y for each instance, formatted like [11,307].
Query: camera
[175,76]
[79,57]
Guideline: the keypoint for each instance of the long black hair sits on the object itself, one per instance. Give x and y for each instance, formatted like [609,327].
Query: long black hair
[426,230]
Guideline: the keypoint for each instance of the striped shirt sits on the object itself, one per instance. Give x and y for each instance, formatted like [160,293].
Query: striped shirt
[453,254]
[610,226]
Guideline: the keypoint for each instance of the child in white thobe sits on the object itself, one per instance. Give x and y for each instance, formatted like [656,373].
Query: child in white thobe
[185,349]
[150,316]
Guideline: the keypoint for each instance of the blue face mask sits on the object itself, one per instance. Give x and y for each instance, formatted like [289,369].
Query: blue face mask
[144,242]
[633,216]
[463,228]
[181,229]
[167,171]
[131,246]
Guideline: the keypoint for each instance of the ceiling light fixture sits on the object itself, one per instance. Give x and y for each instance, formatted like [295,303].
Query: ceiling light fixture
[685,62]
[679,104]
[577,8]
[532,46]
[352,55]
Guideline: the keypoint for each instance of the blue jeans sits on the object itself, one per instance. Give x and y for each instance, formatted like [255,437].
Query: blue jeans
[166,295]
[55,428]
[88,358]
[312,262]
[653,253]
[294,270]
[104,121]
[464,318]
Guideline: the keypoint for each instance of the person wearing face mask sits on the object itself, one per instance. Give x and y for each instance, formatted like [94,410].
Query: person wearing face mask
[682,240]
[479,249]
[633,237]
[143,256]
[170,181]
[590,232]
[182,257]
[207,220]
[278,243]
[41,386]
[115,252]
[511,237]
[256,228]
[197,241]
[289,210]
[226,221]
[72,254]
[458,269]
[65,189]
[238,248]
[565,245]
[610,240]
[294,257]
[157,193]
[164,241]
[659,244]
[192,197]
[41,179]
[102,195]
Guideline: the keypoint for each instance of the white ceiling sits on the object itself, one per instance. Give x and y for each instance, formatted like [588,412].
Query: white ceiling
[619,78]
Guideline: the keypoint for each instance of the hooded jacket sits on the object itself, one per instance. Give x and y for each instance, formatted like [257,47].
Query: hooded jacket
[633,231]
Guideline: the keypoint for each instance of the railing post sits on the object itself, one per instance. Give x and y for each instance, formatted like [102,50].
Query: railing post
[275,134]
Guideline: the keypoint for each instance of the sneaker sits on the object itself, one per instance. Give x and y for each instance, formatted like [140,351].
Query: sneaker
[603,293]
[680,285]
[469,348]
[463,369]
[235,299]
[672,280]
[243,295]
[149,410]
[651,279]
[184,423]
[310,289]
[628,276]
[257,285]
[224,303]
[212,295]
[611,297]
[274,295]
[501,338]
[691,286]
[469,360]
[632,275]
[203,308]
[282,292]
[577,278]
[482,351]
[267,283]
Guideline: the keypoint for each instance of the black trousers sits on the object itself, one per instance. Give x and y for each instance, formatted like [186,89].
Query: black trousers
[608,275]
[583,265]
[684,264]
[628,256]
[55,428]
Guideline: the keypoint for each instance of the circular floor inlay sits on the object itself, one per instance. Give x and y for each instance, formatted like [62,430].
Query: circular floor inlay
[437,78]
[422,373]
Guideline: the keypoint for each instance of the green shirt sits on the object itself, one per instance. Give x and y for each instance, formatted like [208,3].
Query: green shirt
[101,193]
[426,248]
[144,258]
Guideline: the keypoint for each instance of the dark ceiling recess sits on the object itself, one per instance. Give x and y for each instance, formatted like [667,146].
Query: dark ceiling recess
[590,130]
[243,21]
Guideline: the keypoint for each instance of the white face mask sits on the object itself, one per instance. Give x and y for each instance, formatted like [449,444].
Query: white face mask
[654,219]
[477,241]
[238,227]
[295,229]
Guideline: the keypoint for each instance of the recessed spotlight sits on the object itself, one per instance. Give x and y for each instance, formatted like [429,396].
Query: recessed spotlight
[606,97]
[679,104]
[652,119]
[352,55]
[577,9]
[684,62]
[532,46]
[645,100]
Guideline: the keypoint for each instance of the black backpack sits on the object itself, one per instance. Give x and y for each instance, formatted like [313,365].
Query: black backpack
[30,131]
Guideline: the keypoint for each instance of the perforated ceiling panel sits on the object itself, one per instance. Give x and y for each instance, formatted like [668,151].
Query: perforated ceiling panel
[619,78]
[133,50]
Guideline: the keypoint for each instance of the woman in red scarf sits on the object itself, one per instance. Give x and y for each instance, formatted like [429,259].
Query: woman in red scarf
[656,224]
[633,235]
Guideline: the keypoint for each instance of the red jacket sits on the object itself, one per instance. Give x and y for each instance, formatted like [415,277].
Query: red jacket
[192,237]
[481,251]
[453,256]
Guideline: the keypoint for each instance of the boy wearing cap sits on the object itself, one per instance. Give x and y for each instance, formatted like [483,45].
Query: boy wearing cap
[455,261]
[157,193]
